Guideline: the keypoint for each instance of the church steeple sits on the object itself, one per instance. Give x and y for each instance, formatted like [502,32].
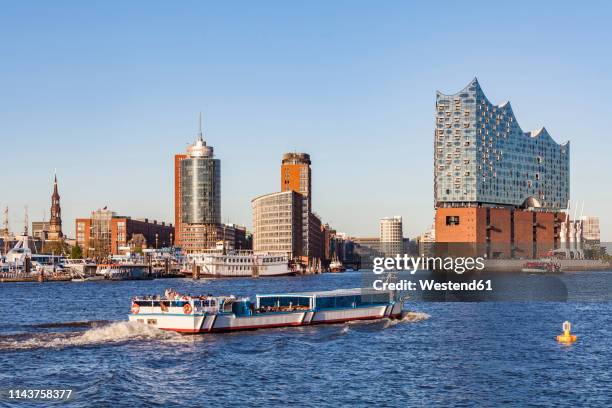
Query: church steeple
[55,223]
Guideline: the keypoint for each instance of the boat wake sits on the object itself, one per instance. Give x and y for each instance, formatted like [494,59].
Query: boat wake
[112,333]
[407,317]
[90,323]
[412,317]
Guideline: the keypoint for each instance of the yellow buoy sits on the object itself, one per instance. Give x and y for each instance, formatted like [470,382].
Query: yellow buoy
[567,337]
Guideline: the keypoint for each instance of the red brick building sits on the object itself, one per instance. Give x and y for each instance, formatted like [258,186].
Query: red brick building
[499,232]
[106,233]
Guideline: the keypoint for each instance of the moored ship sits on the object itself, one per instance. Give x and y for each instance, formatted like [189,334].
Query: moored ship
[238,264]
[541,267]
[124,271]
[206,314]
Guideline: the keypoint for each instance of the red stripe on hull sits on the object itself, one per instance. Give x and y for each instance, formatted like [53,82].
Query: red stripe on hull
[272,326]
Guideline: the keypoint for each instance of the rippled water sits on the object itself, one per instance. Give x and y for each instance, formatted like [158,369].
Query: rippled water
[74,335]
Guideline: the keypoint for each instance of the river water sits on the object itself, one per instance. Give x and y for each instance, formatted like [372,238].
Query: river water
[74,335]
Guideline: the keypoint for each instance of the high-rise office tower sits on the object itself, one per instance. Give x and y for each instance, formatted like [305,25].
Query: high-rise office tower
[296,175]
[197,196]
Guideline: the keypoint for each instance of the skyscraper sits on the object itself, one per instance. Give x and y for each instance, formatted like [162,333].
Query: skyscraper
[275,215]
[197,197]
[55,223]
[494,184]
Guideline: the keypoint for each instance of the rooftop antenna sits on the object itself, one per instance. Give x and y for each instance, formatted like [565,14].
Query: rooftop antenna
[200,126]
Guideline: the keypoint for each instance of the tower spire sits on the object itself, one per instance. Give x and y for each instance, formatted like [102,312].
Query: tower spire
[55,222]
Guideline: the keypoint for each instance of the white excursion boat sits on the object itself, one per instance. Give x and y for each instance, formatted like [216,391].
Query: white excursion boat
[124,271]
[79,267]
[206,314]
[238,264]
[16,257]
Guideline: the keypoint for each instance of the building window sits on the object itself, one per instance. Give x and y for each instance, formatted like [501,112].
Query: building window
[452,220]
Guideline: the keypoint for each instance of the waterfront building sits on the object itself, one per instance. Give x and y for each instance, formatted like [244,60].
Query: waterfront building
[277,223]
[426,241]
[203,238]
[590,229]
[105,233]
[391,236]
[40,229]
[366,249]
[197,196]
[241,238]
[343,248]
[314,246]
[580,237]
[55,223]
[296,197]
[369,242]
[496,186]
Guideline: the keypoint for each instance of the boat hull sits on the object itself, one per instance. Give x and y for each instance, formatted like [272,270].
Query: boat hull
[243,274]
[227,322]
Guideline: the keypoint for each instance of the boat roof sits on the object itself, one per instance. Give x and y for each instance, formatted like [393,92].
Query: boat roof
[325,293]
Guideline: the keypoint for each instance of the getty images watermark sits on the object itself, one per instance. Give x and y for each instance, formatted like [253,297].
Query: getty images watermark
[412,264]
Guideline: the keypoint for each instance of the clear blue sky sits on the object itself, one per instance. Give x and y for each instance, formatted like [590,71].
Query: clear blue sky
[108,92]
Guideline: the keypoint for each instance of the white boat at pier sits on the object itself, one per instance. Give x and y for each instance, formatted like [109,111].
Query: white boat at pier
[124,271]
[238,264]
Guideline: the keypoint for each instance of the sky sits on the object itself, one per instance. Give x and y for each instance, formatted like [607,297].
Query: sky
[105,93]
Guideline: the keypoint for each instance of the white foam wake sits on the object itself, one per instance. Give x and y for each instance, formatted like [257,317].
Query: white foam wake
[407,317]
[414,317]
[112,333]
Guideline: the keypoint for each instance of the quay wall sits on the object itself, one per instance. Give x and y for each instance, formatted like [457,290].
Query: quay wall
[567,265]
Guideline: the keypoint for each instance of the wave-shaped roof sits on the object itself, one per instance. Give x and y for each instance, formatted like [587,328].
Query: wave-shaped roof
[507,107]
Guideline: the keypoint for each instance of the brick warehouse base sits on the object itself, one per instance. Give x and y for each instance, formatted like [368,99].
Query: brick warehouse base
[497,232]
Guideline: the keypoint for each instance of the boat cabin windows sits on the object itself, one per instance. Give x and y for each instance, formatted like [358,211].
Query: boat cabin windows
[204,303]
[284,303]
[333,302]
[242,308]
[157,303]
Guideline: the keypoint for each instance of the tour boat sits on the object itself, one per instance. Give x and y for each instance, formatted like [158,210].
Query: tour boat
[80,267]
[238,264]
[124,271]
[541,267]
[206,314]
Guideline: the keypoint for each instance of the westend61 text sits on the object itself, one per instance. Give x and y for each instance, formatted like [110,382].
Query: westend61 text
[428,284]
[405,262]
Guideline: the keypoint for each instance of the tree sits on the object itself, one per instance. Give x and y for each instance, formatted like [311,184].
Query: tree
[76,252]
